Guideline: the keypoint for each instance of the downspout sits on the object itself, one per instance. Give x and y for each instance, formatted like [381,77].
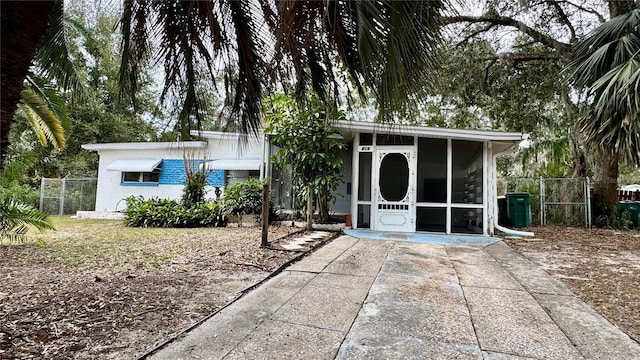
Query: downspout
[497,226]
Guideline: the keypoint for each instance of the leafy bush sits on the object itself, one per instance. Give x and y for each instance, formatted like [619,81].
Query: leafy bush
[21,193]
[157,212]
[245,198]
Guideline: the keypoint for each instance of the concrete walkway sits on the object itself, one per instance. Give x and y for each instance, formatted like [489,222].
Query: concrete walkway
[369,299]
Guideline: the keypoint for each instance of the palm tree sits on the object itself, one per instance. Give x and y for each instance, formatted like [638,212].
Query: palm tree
[608,65]
[29,67]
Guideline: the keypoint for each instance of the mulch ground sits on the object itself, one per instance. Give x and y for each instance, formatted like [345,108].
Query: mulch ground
[75,294]
[600,266]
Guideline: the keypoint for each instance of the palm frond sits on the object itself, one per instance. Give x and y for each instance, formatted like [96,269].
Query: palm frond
[386,47]
[609,45]
[608,65]
[16,218]
[52,58]
[46,112]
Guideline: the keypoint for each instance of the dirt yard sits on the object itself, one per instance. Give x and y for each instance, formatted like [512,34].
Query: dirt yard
[97,289]
[600,266]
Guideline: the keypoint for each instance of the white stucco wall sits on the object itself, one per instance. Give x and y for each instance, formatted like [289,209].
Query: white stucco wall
[110,191]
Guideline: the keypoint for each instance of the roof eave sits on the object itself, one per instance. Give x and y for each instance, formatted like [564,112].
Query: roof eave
[147,145]
[462,134]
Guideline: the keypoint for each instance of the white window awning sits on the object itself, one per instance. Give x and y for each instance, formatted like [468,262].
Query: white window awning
[234,164]
[134,165]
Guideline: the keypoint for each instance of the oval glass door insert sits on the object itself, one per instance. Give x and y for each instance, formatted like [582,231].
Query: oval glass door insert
[394,177]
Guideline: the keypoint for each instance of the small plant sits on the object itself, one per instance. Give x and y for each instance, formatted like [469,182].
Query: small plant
[196,179]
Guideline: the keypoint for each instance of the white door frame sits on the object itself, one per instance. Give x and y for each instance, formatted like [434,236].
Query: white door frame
[401,214]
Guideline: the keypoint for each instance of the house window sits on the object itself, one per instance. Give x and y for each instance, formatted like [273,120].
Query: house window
[141,177]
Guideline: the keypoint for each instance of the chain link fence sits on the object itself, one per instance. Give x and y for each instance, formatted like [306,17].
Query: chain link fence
[67,196]
[553,201]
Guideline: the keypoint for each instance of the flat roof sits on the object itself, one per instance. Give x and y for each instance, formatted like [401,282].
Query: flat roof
[348,128]
[147,145]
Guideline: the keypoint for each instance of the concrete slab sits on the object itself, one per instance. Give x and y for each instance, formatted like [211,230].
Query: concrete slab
[300,241]
[402,307]
[364,258]
[316,235]
[325,255]
[425,259]
[512,322]
[291,246]
[594,336]
[277,340]
[215,339]
[529,275]
[329,301]
[488,274]
[490,355]
[468,255]
[410,349]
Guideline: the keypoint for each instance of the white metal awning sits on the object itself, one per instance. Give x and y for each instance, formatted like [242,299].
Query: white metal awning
[134,165]
[234,164]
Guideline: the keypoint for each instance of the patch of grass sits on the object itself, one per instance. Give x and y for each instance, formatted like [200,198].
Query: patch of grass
[110,242]
[159,260]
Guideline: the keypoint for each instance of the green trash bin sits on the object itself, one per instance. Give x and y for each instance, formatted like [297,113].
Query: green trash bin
[633,207]
[519,209]
[503,212]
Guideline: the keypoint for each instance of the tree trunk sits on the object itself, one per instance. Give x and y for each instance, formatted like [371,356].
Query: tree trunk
[310,207]
[605,190]
[323,209]
[24,23]
[605,183]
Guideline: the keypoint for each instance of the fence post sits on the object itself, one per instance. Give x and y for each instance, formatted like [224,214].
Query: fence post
[541,190]
[588,198]
[81,195]
[62,190]
[42,181]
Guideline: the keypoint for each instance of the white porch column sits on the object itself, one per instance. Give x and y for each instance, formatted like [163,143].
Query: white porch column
[449,183]
[355,179]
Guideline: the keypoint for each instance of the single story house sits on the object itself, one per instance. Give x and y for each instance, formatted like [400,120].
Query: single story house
[156,169]
[398,178]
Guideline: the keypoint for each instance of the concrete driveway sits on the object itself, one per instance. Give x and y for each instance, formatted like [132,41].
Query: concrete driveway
[371,299]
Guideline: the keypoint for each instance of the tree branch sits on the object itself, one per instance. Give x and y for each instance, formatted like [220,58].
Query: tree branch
[585,9]
[525,56]
[497,20]
[563,18]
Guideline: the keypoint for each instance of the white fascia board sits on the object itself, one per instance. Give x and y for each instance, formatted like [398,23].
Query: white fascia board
[147,145]
[424,131]
[226,135]
[234,164]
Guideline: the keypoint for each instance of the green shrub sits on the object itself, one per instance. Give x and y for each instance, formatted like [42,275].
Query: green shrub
[243,198]
[21,193]
[157,212]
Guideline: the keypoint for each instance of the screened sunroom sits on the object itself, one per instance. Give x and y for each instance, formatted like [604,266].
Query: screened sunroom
[414,178]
